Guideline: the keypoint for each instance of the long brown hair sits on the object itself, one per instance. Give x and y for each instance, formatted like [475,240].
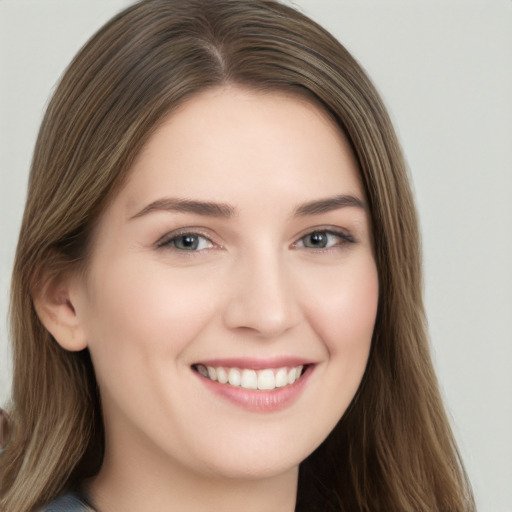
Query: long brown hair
[393,450]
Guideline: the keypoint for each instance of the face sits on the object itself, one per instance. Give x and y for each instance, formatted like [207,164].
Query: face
[231,292]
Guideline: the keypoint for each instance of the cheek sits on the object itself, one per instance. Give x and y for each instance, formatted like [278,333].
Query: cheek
[343,312]
[141,314]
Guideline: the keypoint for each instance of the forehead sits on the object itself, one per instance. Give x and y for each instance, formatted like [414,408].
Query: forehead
[229,142]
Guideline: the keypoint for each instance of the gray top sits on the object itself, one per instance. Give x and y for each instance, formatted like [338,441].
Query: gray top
[70,502]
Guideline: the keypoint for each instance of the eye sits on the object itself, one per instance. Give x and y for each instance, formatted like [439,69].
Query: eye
[324,239]
[186,242]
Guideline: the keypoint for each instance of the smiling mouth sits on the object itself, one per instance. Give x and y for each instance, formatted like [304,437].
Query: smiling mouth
[264,380]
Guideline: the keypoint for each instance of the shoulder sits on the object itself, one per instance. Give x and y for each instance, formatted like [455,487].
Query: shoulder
[70,502]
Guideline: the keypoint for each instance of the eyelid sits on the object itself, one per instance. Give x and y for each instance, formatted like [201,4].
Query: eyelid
[345,236]
[164,241]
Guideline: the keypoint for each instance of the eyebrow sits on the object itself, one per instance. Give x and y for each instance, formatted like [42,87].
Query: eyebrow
[206,208]
[329,204]
[223,210]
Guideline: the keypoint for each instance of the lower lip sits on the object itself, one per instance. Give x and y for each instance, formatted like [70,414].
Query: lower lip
[259,401]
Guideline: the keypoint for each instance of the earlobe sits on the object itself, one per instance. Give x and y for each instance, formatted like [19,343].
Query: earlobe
[54,303]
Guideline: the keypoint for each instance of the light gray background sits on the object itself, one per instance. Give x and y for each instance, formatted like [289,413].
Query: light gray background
[444,69]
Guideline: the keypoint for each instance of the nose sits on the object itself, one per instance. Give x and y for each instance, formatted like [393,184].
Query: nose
[262,297]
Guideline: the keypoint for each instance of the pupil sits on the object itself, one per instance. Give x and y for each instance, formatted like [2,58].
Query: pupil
[187,242]
[318,239]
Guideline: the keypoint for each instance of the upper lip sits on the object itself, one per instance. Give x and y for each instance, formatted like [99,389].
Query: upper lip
[255,363]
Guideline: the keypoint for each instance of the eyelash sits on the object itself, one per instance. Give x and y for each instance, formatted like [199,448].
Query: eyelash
[342,236]
[169,241]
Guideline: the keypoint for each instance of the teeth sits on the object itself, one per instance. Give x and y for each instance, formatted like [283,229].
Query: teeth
[234,377]
[210,372]
[205,372]
[281,378]
[222,375]
[294,374]
[267,379]
[249,379]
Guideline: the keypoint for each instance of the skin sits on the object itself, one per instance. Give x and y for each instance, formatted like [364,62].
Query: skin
[148,310]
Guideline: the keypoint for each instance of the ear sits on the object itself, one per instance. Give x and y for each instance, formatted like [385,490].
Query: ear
[55,301]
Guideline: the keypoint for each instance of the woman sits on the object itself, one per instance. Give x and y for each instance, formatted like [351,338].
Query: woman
[216,299]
